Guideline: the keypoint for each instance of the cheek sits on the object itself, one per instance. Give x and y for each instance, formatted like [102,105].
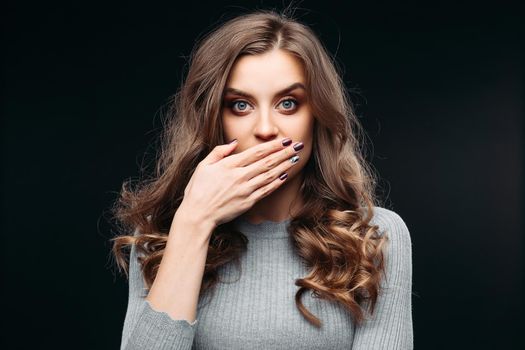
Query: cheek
[304,133]
[233,129]
[229,129]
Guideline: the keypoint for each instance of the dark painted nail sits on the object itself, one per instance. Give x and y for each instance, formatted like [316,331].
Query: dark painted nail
[283,176]
[287,141]
[298,146]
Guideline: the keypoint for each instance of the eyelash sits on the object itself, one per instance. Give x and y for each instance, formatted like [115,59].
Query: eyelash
[232,103]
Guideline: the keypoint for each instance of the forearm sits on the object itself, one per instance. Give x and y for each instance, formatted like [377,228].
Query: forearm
[177,284]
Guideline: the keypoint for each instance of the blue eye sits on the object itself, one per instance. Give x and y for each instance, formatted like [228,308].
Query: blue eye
[241,103]
[242,106]
[286,103]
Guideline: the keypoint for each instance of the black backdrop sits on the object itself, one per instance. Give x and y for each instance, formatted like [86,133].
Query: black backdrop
[438,86]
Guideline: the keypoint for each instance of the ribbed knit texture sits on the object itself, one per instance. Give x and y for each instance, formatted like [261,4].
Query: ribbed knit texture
[255,308]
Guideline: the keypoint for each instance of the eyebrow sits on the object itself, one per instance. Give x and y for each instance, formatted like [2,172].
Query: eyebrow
[281,92]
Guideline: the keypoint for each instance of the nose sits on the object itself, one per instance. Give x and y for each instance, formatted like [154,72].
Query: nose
[265,127]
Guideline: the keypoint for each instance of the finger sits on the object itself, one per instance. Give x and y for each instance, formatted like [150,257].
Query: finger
[264,178]
[268,182]
[271,161]
[257,152]
[219,152]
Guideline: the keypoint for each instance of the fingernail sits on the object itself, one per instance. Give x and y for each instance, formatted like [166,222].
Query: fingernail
[283,176]
[287,141]
[298,146]
[232,141]
[294,159]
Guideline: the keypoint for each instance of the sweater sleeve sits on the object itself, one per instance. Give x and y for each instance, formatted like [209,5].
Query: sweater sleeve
[390,326]
[147,328]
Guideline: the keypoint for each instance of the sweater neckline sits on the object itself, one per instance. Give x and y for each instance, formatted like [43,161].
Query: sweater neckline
[266,229]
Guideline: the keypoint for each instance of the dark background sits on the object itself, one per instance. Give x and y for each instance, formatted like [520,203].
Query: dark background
[439,89]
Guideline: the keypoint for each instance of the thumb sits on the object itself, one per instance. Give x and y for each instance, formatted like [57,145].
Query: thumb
[220,152]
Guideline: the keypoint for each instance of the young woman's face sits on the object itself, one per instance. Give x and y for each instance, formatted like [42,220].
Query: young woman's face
[256,108]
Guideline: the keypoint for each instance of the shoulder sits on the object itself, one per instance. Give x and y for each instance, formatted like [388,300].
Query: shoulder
[398,248]
[394,227]
[390,221]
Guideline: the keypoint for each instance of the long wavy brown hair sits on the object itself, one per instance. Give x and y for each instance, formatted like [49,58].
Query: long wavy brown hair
[332,232]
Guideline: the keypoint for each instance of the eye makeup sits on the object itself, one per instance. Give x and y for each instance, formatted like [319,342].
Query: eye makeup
[287,100]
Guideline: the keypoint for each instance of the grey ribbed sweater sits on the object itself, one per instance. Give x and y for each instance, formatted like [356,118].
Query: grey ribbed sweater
[257,309]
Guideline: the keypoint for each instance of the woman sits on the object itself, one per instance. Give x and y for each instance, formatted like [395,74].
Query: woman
[290,201]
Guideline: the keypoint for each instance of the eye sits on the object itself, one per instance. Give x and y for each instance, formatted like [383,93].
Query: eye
[240,106]
[243,105]
[289,103]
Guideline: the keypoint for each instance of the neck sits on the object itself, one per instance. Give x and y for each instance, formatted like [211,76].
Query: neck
[278,205]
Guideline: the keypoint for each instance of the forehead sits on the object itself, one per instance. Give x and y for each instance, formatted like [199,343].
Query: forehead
[272,70]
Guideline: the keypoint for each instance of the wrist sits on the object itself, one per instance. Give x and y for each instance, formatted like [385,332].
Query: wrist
[191,220]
